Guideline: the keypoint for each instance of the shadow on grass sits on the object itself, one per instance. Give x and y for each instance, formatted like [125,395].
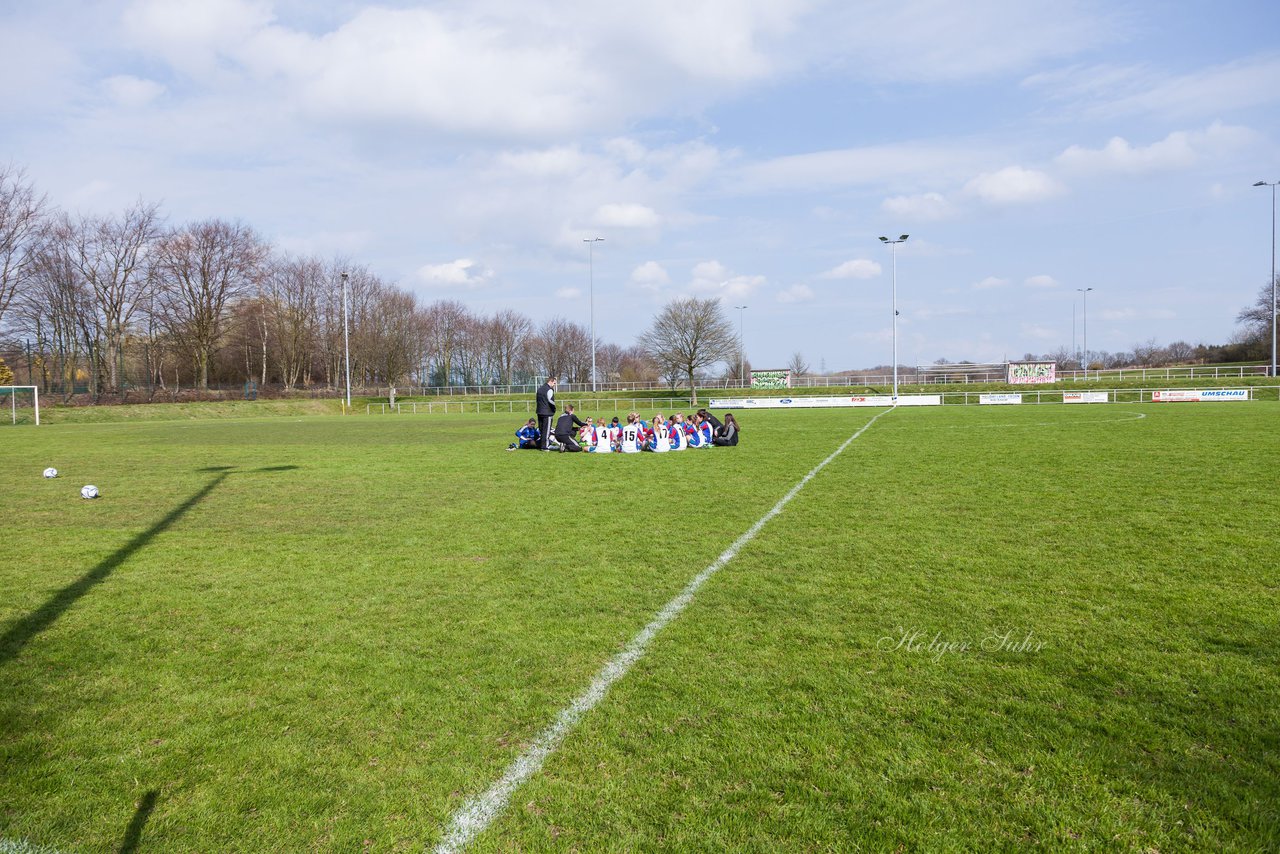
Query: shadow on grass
[133,835]
[17,636]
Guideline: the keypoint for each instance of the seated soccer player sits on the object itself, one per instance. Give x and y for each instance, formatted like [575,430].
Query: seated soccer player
[708,432]
[599,437]
[659,436]
[677,432]
[528,437]
[630,441]
[692,431]
[614,430]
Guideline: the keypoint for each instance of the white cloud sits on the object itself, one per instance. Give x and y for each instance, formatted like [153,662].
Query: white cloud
[1111,90]
[1039,332]
[650,274]
[1013,185]
[926,207]
[858,268]
[1041,281]
[796,293]
[131,92]
[711,278]
[990,282]
[872,165]
[1178,150]
[463,273]
[937,40]
[568,293]
[626,216]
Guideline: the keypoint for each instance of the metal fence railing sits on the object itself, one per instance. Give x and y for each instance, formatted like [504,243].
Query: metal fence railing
[583,407]
[594,406]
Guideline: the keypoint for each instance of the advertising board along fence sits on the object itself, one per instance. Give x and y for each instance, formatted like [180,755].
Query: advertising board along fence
[590,406]
[808,402]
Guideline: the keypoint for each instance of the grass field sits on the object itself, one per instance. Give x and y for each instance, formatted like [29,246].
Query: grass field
[977,628]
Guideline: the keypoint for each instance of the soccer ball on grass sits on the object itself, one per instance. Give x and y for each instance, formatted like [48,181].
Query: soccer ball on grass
[89,491]
[51,472]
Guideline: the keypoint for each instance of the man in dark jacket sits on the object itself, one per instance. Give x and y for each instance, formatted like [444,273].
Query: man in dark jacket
[546,410]
[564,430]
[715,422]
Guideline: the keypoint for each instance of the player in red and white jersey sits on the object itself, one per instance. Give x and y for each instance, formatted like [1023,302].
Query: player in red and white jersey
[706,432]
[659,436]
[678,441]
[629,442]
[600,442]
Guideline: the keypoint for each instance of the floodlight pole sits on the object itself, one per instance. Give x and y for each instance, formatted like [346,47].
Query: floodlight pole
[1272,185]
[741,348]
[894,247]
[591,298]
[346,344]
[1085,329]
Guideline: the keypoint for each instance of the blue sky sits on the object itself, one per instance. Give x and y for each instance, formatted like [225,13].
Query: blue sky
[748,150]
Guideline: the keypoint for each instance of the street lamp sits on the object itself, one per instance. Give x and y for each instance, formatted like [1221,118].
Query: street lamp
[346,344]
[894,245]
[1085,328]
[1272,185]
[741,347]
[591,296]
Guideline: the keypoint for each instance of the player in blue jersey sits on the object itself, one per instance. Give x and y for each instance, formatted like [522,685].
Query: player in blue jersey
[706,431]
[677,432]
[528,437]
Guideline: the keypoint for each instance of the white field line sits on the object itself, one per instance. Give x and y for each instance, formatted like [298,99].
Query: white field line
[479,812]
[22,846]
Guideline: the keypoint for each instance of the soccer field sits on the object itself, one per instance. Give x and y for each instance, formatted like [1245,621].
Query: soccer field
[975,627]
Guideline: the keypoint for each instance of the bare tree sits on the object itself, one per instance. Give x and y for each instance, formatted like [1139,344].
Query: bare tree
[202,269]
[111,255]
[447,322]
[55,307]
[22,215]
[798,366]
[690,334]
[291,291]
[1257,322]
[509,333]
[1180,353]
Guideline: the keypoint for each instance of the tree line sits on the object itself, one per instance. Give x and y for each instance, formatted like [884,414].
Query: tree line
[105,303]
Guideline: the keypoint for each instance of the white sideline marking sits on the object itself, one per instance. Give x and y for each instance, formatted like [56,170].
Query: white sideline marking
[22,846]
[479,812]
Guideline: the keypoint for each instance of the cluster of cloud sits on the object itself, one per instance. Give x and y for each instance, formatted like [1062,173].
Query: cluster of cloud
[462,273]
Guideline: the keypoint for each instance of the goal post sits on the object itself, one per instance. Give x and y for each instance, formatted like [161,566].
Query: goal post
[21,403]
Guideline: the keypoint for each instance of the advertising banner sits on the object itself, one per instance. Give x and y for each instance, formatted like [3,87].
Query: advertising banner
[771,379]
[1001,398]
[1198,395]
[1086,397]
[1030,373]
[822,402]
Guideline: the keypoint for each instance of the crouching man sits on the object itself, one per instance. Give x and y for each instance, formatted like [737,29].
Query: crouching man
[565,430]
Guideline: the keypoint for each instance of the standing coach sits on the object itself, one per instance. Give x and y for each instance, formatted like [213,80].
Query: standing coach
[546,409]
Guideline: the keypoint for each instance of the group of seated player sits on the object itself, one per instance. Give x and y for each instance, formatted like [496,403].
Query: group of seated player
[635,435]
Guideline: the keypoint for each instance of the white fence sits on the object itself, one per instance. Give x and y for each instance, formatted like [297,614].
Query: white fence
[927,374]
[592,406]
[583,406]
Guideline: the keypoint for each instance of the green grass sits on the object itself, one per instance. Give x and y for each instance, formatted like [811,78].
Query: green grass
[324,633]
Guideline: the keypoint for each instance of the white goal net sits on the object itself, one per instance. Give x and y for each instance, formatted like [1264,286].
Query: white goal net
[19,404]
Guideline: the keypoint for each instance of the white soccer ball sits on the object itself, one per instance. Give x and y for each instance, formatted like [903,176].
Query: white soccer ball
[89,491]
[51,472]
